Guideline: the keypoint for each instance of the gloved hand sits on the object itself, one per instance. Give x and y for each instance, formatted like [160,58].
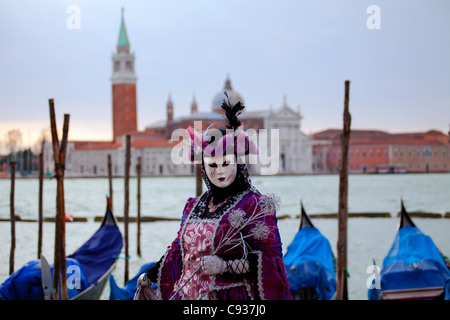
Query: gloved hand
[143,281]
[213,265]
[144,289]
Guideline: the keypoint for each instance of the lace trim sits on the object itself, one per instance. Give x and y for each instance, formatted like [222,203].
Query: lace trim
[192,217]
[158,281]
[201,207]
[249,291]
[215,288]
[260,278]
[175,287]
[228,286]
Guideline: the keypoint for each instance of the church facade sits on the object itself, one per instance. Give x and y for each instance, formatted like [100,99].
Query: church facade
[285,148]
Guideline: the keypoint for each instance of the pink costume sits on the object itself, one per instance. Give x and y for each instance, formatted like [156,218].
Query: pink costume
[232,227]
[200,236]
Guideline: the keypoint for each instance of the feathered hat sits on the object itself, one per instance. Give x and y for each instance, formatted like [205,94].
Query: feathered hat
[216,142]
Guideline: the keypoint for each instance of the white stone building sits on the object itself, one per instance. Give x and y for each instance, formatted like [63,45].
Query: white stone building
[291,150]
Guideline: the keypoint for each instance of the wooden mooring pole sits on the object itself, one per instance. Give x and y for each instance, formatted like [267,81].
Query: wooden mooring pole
[12,165]
[59,154]
[41,196]
[110,175]
[341,273]
[127,204]
[138,218]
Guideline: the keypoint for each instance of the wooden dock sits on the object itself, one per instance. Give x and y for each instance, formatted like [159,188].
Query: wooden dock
[96,219]
[421,214]
[352,215]
[333,215]
[143,219]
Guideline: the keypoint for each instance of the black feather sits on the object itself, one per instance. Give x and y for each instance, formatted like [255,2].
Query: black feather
[232,112]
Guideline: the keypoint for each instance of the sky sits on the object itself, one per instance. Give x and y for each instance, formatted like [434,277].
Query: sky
[396,57]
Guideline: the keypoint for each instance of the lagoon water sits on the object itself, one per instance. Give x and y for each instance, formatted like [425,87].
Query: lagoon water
[368,238]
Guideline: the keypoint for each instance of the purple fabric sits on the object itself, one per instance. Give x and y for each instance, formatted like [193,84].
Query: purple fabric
[268,282]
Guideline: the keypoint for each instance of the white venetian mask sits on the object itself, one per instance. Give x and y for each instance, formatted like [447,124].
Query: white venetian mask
[221,170]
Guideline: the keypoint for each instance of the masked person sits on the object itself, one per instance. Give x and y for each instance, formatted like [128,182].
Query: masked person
[228,246]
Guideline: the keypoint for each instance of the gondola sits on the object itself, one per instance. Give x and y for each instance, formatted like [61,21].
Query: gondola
[88,268]
[309,263]
[414,268]
[127,293]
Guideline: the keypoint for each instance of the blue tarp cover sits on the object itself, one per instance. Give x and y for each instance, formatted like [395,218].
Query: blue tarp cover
[97,255]
[26,283]
[413,262]
[310,252]
[127,293]
[94,258]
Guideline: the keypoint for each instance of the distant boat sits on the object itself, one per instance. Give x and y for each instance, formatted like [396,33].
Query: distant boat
[310,263]
[414,268]
[90,267]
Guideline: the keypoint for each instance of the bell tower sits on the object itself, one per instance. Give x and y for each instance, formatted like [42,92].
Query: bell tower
[169,108]
[194,106]
[123,81]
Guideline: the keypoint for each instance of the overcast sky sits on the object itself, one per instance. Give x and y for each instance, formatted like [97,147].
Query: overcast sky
[400,73]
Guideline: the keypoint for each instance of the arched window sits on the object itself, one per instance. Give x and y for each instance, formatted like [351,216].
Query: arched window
[129,66]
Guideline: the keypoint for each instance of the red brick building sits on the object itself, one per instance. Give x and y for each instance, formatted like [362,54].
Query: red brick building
[124,106]
[378,151]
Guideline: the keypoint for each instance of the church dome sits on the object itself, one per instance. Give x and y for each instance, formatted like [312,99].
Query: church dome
[233,95]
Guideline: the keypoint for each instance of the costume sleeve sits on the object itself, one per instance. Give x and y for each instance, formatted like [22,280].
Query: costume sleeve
[171,263]
[265,257]
[152,273]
